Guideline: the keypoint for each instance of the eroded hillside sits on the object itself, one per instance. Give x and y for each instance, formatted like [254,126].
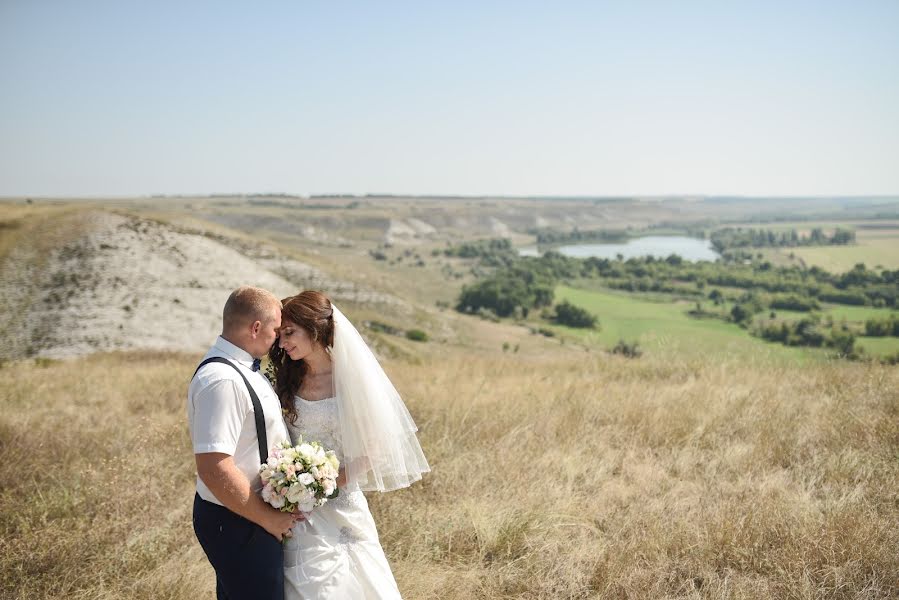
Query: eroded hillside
[123,282]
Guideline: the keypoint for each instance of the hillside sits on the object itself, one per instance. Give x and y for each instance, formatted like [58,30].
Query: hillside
[125,282]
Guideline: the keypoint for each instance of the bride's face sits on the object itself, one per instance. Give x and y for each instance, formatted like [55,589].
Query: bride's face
[294,340]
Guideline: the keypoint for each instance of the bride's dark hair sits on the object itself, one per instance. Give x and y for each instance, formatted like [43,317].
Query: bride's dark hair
[312,311]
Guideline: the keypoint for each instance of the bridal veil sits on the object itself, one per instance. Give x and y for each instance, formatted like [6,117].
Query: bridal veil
[380,448]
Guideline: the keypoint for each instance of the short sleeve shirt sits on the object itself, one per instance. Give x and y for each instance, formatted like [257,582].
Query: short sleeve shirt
[221,416]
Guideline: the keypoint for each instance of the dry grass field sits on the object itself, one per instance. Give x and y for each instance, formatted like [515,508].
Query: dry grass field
[566,476]
[874,248]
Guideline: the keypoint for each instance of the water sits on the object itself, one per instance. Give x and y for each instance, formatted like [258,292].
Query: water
[660,246]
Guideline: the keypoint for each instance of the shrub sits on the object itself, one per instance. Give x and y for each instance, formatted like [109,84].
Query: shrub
[740,314]
[417,335]
[844,343]
[794,302]
[487,315]
[505,291]
[380,327]
[630,350]
[851,298]
[574,316]
[882,327]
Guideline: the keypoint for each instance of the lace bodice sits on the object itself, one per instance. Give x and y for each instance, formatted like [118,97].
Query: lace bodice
[317,422]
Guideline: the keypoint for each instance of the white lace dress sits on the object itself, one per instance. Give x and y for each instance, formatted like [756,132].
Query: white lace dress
[335,554]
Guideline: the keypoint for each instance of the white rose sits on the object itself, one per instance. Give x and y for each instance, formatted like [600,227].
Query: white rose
[306,451]
[332,458]
[277,501]
[295,492]
[305,478]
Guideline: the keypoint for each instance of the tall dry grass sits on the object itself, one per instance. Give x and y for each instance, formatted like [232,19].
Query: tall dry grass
[589,477]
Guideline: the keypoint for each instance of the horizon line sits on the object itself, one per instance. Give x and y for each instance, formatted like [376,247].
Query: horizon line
[329,195]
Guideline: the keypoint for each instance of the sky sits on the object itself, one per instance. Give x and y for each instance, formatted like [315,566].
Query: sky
[475,98]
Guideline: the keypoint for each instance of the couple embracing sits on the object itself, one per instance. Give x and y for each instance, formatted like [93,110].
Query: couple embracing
[328,387]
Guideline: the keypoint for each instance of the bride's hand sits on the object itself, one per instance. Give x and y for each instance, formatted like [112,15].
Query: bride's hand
[341,478]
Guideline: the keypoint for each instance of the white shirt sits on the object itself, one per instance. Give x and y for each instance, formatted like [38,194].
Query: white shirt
[221,417]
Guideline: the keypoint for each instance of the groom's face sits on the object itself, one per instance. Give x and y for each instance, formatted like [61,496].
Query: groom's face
[267,333]
[271,329]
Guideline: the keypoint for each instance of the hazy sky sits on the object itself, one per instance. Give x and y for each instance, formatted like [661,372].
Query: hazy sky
[569,98]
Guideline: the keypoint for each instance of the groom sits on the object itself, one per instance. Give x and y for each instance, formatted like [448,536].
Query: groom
[240,533]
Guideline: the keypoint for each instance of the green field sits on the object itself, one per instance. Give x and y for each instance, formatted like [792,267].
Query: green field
[665,326]
[878,346]
[660,325]
[857,313]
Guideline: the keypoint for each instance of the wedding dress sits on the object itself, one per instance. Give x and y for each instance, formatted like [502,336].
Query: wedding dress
[335,553]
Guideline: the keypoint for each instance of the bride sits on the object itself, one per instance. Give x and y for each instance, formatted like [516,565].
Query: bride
[333,391]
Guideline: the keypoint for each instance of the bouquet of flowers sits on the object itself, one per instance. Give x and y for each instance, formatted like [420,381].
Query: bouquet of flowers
[299,477]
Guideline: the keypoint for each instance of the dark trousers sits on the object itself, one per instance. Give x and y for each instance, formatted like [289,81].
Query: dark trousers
[248,560]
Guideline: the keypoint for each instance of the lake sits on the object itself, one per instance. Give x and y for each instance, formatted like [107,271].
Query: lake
[660,246]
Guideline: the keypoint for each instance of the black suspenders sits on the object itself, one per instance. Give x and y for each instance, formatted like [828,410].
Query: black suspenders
[257,406]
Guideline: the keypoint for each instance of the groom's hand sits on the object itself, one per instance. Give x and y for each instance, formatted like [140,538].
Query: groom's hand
[232,489]
[280,523]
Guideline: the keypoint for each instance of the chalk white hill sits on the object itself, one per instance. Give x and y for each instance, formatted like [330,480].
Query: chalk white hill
[499,228]
[130,283]
[408,231]
[420,227]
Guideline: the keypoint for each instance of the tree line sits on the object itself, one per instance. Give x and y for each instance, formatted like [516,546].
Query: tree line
[728,238]
[722,239]
[552,236]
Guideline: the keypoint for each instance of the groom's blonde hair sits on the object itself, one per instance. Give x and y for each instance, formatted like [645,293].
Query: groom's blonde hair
[248,304]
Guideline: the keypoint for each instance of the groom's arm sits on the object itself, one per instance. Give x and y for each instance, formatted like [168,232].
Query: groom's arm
[231,487]
[220,409]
